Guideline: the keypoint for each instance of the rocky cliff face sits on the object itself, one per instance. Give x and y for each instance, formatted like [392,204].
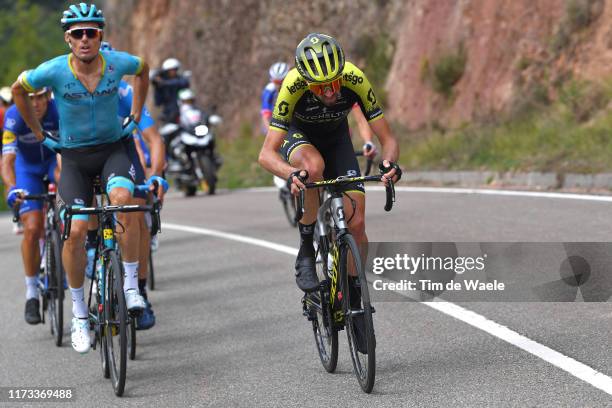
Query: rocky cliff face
[439,61]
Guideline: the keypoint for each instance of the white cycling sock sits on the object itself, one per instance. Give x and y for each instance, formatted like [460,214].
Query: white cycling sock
[79,307]
[31,287]
[130,277]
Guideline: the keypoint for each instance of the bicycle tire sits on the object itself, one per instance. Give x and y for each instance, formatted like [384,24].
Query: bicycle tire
[99,324]
[209,170]
[56,292]
[151,280]
[288,207]
[132,339]
[324,330]
[364,364]
[116,321]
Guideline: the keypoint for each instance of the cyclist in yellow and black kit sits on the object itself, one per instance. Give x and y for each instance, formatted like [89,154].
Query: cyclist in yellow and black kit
[309,128]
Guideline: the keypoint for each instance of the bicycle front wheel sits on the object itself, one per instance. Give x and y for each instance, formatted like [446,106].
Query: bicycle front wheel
[324,329]
[116,321]
[55,292]
[358,313]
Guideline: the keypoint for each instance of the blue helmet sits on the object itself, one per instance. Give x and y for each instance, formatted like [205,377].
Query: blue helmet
[105,46]
[82,13]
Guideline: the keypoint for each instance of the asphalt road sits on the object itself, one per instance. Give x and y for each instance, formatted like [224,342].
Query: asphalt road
[230,331]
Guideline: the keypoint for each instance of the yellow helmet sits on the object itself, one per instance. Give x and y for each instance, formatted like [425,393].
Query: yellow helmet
[319,58]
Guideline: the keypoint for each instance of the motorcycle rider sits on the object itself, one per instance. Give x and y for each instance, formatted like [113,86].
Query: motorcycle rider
[167,83]
[188,108]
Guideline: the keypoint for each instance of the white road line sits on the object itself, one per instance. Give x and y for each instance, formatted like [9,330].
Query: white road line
[234,237]
[481,191]
[565,363]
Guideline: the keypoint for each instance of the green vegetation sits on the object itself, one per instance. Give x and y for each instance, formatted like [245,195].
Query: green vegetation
[240,168]
[569,135]
[579,14]
[377,55]
[445,71]
[30,33]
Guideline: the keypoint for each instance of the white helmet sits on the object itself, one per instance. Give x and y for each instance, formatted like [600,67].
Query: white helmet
[278,71]
[5,94]
[40,91]
[171,63]
[186,94]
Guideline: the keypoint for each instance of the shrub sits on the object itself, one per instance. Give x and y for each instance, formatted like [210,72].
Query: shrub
[448,70]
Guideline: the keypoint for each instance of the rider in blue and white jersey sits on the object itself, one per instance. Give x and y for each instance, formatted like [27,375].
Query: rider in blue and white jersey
[25,165]
[278,71]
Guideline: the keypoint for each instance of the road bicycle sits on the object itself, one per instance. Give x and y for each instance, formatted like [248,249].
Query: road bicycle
[51,277]
[114,327]
[342,300]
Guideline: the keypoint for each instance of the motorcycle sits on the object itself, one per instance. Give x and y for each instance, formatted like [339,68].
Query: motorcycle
[192,160]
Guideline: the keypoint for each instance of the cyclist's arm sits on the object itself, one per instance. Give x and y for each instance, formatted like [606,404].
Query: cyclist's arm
[362,124]
[157,150]
[22,101]
[265,121]
[141,156]
[8,170]
[141,86]
[388,142]
[269,158]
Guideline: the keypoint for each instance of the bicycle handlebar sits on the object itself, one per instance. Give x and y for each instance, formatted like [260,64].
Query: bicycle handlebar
[41,197]
[153,209]
[369,162]
[340,181]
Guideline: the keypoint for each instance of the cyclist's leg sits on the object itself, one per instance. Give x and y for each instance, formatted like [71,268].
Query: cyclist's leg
[119,175]
[300,153]
[340,160]
[31,216]
[146,319]
[76,189]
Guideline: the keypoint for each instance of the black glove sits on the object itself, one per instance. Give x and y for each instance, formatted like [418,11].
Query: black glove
[296,174]
[392,165]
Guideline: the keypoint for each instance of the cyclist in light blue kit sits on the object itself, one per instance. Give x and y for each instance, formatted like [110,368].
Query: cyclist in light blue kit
[85,84]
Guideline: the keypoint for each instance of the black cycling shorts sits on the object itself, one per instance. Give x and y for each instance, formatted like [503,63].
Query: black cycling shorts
[140,174]
[336,149]
[80,166]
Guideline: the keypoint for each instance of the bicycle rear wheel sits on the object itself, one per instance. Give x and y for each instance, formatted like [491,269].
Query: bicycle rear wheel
[116,320]
[151,279]
[288,206]
[358,315]
[55,290]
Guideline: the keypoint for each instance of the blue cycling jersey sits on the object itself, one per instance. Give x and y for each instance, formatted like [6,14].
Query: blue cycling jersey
[87,119]
[18,139]
[146,121]
[268,99]
[125,107]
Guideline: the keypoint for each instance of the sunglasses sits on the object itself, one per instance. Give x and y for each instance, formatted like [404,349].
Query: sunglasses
[90,32]
[326,89]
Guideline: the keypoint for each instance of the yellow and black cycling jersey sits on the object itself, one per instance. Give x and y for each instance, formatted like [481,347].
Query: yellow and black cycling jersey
[296,105]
